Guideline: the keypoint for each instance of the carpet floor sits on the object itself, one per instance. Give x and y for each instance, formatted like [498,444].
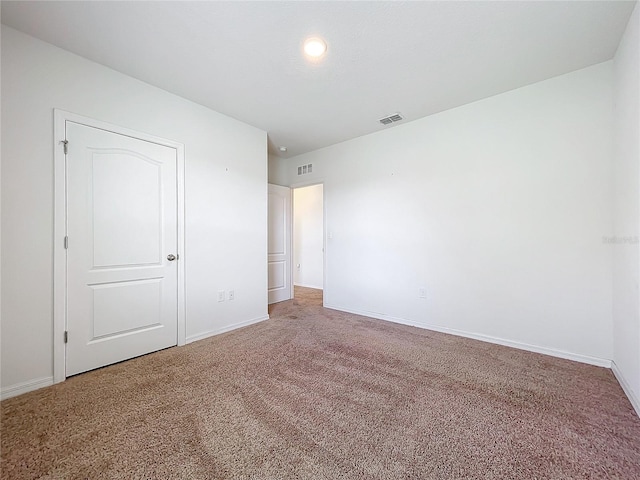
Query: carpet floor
[315,393]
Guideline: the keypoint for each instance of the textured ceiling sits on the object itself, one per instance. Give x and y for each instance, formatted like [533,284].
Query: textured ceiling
[244,59]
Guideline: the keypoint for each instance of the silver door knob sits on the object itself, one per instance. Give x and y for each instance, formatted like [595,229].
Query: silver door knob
[171,257]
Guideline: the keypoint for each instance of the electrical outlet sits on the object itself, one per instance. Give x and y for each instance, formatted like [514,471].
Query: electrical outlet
[232,294]
[221,295]
[422,292]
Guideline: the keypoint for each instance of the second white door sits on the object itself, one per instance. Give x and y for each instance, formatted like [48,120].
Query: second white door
[122,247]
[279,244]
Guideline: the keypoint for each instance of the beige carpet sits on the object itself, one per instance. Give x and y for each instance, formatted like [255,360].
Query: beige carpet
[319,394]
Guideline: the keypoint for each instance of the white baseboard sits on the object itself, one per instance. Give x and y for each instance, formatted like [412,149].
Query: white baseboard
[24,387]
[599,362]
[635,402]
[228,328]
[315,287]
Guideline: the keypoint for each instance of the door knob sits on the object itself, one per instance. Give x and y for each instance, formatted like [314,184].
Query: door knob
[171,257]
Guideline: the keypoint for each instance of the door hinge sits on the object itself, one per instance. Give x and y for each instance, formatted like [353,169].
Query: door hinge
[66,336]
[65,144]
[66,242]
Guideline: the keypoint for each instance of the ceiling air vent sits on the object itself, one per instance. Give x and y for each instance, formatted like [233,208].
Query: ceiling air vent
[396,117]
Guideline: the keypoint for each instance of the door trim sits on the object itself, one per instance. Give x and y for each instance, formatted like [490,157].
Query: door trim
[61,118]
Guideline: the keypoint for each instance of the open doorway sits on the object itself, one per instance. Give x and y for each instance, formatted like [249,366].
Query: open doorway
[308,243]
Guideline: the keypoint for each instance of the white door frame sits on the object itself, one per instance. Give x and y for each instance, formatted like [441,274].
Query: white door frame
[60,228]
[310,183]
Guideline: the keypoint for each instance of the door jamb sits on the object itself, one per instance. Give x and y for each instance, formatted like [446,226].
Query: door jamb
[61,118]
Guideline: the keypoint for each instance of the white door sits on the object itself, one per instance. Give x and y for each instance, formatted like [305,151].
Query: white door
[122,237]
[279,253]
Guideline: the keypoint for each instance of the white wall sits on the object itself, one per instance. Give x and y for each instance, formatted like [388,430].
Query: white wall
[226,182]
[278,173]
[496,208]
[626,301]
[308,237]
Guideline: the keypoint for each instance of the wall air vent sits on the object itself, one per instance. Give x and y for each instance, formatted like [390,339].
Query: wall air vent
[305,169]
[396,117]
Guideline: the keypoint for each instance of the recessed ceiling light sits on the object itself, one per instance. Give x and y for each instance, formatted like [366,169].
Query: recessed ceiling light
[283,149]
[315,47]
